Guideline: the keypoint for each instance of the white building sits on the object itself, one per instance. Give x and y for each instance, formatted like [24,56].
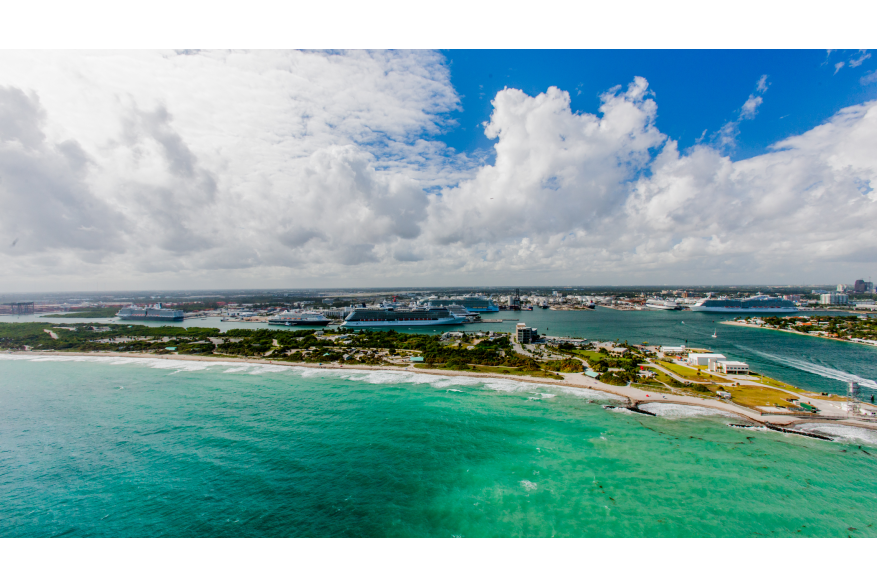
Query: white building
[834,298]
[729,367]
[702,359]
[673,350]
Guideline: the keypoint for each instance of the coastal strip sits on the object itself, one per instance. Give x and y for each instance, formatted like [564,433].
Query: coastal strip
[790,331]
[634,396]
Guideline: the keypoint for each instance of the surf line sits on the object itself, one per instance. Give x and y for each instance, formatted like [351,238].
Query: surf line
[631,408]
[786,431]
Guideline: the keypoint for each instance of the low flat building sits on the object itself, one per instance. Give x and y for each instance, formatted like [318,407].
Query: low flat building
[729,367]
[702,359]
[673,350]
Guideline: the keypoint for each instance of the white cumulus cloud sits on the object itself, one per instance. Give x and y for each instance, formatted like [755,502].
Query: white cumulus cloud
[284,169]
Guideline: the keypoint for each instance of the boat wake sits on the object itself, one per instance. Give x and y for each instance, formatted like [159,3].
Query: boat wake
[815,369]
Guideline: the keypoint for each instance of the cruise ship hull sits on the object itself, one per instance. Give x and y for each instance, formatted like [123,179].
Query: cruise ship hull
[159,318]
[300,322]
[402,322]
[738,310]
[162,314]
[661,307]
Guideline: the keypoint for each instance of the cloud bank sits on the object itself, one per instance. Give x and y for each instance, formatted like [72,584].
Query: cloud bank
[234,169]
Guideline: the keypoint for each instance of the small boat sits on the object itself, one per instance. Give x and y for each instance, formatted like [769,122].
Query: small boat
[714,334]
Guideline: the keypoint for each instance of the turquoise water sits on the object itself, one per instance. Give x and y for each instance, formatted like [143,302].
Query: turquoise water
[103,447]
[808,362]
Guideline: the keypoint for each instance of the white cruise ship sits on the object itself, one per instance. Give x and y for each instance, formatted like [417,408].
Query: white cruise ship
[753,305]
[377,317]
[472,304]
[295,318]
[659,304]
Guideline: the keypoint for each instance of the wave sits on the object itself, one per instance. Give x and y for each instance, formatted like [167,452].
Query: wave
[677,411]
[816,369]
[841,433]
[374,377]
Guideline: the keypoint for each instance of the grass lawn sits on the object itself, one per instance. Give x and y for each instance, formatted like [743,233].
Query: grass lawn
[664,378]
[694,374]
[752,396]
[589,356]
[770,381]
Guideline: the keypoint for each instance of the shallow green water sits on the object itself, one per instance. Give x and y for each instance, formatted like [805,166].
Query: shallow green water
[125,448]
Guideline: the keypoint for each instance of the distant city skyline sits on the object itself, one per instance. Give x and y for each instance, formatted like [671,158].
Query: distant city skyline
[141,170]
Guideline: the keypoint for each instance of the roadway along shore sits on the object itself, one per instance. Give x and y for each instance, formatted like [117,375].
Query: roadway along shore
[575,380]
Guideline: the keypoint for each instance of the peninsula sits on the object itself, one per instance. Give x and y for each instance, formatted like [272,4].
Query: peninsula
[635,374]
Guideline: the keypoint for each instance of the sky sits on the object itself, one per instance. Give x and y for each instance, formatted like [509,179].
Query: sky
[290,169]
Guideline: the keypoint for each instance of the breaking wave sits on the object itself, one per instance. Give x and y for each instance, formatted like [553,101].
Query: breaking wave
[375,377]
[841,433]
[678,411]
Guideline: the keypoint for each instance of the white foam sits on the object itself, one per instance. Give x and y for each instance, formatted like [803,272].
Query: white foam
[848,434]
[621,410]
[678,411]
[375,377]
[529,485]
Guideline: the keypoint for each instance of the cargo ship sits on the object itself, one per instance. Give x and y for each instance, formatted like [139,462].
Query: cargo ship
[375,317]
[299,319]
[753,305]
[155,312]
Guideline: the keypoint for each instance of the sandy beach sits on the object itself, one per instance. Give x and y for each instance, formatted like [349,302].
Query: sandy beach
[633,395]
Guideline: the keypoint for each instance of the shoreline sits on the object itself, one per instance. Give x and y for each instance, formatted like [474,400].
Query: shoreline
[735,323]
[633,395]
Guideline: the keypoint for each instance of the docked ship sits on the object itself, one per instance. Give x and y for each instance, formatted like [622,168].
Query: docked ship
[753,305]
[659,304]
[299,318]
[472,304]
[155,312]
[374,317]
[463,313]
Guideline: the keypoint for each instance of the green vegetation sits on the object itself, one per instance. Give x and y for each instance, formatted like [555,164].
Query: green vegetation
[103,337]
[840,327]
[693,374]
[92,313]
[753,397]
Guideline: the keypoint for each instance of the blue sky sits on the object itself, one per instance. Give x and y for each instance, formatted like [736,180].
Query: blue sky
[695,90]
[157,169]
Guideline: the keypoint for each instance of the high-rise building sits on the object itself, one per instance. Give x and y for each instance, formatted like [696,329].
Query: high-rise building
[859,286]
[834,298]
[841,287]
[525,334]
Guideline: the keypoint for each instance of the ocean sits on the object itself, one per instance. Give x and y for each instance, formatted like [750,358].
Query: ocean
[147,447]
